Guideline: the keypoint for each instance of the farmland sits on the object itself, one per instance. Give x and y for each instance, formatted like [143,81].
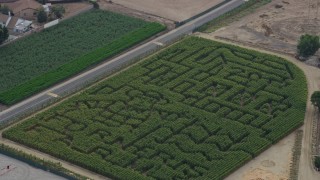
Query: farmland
[199,109]
[40,60]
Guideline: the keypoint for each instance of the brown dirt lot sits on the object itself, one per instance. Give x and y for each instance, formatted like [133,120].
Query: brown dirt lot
[106,5]
[276,26]
[73,8]
[176,10]
[273,164]
[2,107]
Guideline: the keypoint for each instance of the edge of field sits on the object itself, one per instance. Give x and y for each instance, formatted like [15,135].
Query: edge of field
[296,162]
[202,13]
[80,64]
[228,44]
[34,161]
[233,15]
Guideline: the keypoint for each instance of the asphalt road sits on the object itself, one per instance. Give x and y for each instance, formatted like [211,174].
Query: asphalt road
[44,98]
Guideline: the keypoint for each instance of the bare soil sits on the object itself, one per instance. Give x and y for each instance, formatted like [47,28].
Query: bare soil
[3,107]
[67,165]
[273,164]
[72,8]
[106,5]
[275,26]
[176,10]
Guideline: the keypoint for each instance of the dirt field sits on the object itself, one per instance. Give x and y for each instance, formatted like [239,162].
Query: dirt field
[273,164]
[276,26]
[106,5]
[73,8]
[176,10]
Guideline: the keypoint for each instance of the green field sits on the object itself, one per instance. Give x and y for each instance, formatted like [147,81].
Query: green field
[199,109]
[40,60]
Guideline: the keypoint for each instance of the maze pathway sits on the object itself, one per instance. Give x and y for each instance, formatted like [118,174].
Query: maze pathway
[198,109]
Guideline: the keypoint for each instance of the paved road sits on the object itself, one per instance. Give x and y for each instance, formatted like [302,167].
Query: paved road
[38,101]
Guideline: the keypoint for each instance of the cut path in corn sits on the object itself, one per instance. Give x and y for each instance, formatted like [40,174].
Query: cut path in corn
[306,169]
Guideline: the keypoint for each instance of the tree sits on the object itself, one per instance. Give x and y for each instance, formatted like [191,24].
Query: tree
[4,34]
[317,162]
[42,16]
[4,9]
[315,99]
[95,4]
[58,11]
[308,45]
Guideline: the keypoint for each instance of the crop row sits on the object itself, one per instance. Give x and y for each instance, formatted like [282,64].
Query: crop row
[51,56]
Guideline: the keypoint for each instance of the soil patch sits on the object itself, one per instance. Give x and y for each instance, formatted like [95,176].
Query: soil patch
[3,107]
[106,5]
[176,10]
[275,26]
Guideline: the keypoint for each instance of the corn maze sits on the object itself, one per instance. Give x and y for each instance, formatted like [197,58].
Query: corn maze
[199,109]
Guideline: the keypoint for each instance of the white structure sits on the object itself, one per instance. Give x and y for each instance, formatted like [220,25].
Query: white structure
[14,24]
[47,8]
[52,23]
[22,26]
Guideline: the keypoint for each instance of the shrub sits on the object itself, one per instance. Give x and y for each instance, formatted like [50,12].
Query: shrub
[308,45]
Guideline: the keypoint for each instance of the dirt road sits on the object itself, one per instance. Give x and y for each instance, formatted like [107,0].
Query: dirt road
[306,170]
[176,10]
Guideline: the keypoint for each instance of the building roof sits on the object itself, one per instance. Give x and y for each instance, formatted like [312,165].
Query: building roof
[22,24]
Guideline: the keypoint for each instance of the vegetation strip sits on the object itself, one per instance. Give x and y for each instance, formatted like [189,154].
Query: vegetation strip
[199,109]
[56,62]
[294,170]
[36,162]
[233,15]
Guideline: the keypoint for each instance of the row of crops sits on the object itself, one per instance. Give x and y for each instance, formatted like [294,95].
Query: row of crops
[199,109]
[40,60]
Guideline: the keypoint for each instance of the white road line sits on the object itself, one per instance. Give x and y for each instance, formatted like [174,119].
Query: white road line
[53,95]
[158,43]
